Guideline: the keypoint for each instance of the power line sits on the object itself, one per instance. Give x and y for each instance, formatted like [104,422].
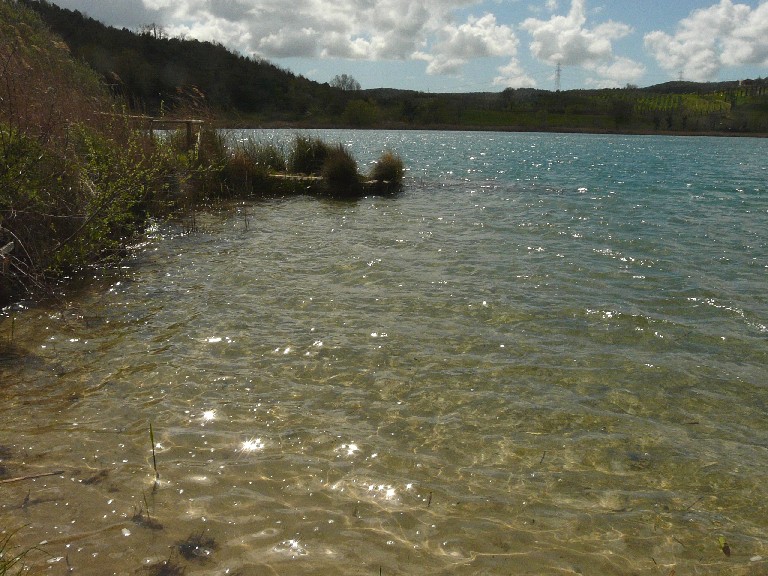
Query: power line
[558,72]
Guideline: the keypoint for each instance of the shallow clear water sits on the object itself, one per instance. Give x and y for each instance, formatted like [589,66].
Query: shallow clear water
[548,355]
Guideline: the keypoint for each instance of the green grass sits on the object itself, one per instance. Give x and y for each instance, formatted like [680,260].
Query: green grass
[11,559]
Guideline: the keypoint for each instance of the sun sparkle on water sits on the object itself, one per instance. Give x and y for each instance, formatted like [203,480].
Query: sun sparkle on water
[451,397]
[252,445]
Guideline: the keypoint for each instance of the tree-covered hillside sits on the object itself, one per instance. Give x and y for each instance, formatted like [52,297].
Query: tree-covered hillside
[155,73]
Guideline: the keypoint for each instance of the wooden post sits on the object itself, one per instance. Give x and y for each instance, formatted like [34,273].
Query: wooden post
[189,123]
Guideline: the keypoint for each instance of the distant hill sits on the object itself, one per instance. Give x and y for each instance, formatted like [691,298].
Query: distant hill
[155,73]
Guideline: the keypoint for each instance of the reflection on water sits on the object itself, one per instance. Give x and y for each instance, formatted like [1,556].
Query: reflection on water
[548,364]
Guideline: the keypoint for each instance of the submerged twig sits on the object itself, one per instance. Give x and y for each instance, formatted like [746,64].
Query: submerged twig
[154,458]
[31,476]
[699,499]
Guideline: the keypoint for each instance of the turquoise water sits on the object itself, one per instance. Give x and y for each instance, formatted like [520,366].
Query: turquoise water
[547,356]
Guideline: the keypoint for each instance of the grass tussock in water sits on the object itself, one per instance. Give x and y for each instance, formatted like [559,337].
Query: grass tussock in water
[307,166]
[308,156]
[80,176]
[388,172]
[340,173]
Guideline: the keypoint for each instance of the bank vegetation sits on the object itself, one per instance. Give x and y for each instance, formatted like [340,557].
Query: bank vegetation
[81,173]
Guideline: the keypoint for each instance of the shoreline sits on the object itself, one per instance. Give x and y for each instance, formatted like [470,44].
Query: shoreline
[301,125]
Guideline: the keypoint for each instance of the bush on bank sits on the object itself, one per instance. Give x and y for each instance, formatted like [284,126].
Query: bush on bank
[69,178]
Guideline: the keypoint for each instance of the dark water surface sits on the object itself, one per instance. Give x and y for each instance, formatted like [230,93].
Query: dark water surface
[549,355]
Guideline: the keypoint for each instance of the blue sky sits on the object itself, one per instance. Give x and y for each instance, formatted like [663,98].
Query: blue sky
[466,45]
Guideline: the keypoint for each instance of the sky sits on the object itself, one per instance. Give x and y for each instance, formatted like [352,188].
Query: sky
[472,45]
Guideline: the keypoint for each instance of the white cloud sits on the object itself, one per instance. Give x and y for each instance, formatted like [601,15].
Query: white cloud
[513,76]
[230,34]
[725,34]
[360,29]
[157,4]
[433,31]
[287,43]
[568,41]
[352,29]
[618,73]
[477,38]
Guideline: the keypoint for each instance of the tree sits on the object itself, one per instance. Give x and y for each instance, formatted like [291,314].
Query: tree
[345,82]
[155,30]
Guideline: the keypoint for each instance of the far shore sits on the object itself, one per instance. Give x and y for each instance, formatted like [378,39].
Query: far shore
[303,125]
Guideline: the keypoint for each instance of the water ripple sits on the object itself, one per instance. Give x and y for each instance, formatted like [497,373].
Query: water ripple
[547,355]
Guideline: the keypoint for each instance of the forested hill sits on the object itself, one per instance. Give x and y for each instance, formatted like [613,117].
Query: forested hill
[156,73]
[153,71]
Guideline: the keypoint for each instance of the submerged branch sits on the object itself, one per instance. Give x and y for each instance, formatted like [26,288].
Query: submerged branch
[31,476]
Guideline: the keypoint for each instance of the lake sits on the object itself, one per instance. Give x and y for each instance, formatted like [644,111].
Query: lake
[548,355]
